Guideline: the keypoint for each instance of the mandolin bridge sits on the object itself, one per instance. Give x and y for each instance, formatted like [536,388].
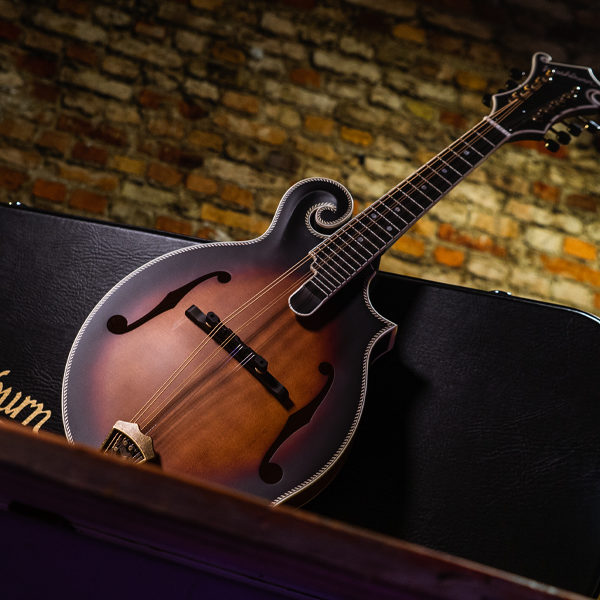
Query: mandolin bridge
[255,364]
[126,440]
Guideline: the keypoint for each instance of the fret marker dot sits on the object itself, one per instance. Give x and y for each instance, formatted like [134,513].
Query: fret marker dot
[361,239]
[389,228]
[444,170]
[466,152]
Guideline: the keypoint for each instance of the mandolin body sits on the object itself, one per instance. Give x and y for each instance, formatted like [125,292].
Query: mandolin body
[276,431]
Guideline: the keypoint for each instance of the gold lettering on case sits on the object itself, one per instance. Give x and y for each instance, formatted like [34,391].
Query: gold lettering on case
[13,408]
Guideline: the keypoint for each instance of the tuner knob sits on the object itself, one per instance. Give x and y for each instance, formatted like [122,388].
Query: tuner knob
[562,137]
[592,126]
[574,129]
[487,100]
[552,145]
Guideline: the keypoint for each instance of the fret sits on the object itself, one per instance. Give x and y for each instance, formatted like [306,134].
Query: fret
[351,245]
[375,218]
[342,253]
[320,287]
[327,267]
[334,260]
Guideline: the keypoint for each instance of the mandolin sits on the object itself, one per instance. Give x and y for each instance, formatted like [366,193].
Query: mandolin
[245,363]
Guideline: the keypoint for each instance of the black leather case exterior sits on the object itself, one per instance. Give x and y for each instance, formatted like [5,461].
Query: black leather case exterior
[480,433]
[53,271]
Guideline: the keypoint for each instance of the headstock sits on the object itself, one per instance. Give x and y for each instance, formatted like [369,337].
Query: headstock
[552,92]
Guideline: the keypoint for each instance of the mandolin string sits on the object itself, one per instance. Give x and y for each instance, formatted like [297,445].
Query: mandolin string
[477,132]
[295,284]
[462,140]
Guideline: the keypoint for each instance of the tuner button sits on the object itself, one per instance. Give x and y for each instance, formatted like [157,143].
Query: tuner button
[592,126]
[563,137]
[574,129]
[552,145]
[487,100]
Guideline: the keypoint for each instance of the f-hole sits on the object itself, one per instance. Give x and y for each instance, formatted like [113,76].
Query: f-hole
[118,324]
[271,472]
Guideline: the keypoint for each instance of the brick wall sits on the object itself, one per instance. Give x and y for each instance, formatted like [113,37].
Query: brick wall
[195,116]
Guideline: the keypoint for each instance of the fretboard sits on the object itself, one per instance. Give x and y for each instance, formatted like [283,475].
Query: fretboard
[361,240]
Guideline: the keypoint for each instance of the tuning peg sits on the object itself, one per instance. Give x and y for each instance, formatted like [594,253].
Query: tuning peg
[487,100]
[592,126]
[561,136]
[574,129]
[552,145]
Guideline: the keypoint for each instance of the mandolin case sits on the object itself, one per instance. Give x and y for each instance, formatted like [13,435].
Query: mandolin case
[480,431]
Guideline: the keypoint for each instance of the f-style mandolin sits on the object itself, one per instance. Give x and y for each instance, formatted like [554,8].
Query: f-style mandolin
[245,363]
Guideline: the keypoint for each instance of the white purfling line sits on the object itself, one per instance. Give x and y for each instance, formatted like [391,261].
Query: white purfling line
[499,127]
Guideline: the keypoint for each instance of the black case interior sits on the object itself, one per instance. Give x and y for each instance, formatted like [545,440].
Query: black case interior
[480,432]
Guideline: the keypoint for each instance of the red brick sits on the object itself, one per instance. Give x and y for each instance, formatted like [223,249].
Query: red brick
[17,129]
[151,99]
[190,110]
[50,190]
[75,7]
[10,179]
[242,102]
[356,136]
[98,179]
[45,91]
[37,65]
[232,193]
[572,269]
[83,53]
[89,153]
[539,147]
[55,140]
[318,124]
[206,139]
[453,119]
[206,232]
[173,225]
[203,185]
[448,256]
[177,156]
[483,243]
[584,201]
[410,245]
[579,248]
[547,192]
[409,33]
[9,31]
[222,51]
[164,174]
[88,201]
[149,29]
[110,135]
[306,77]
[74,125]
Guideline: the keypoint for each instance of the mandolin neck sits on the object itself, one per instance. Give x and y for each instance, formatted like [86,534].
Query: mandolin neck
[375,229]
[366,236]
